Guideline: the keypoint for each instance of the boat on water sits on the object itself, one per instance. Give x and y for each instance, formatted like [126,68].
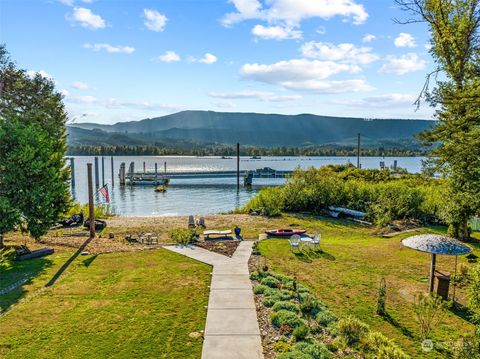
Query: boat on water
[148,181]
[162,188]
[285,232]
[255,158]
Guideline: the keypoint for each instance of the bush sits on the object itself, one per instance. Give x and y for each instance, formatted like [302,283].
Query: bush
[183,236]
[101,211]
[282,347]
[310,305]
[352,330]
[268,302]
[270,282]
[259,289]
[286,305]
[7,255]
[285,317]
[300,332]
[316,350]
[325,318]
[268,202]
[296,354]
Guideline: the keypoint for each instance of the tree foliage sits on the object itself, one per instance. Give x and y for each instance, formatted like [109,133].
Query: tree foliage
[454,28]
[33,176]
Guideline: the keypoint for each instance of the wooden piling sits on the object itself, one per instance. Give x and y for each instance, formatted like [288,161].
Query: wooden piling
[238,166]
[122,174]
[103,171]
[97,179]
[358,151]
[144,168]
[91,205]
[165,167]
[113,174]
[72,171]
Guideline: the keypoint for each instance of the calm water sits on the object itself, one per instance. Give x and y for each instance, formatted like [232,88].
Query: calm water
[201,196]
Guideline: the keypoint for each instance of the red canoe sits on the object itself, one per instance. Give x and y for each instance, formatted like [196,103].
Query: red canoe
[285,232]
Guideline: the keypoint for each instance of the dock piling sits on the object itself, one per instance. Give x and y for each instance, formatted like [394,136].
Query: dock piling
[97,179]
[113,174]
[358,151]
[238,167]
[122,174]
[103,171]
[72,171]
[91,205]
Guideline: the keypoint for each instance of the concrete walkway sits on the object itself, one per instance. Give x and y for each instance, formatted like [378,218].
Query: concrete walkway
[232,330]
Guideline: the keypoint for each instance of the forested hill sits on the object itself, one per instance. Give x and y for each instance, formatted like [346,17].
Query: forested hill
[262,130]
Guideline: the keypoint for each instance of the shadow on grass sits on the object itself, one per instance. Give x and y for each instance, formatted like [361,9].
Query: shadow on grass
[16,277]
[462,311]
[89,260]
[309,256]
[67,263]
[405,331]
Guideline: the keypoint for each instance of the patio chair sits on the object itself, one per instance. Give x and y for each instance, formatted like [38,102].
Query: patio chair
[191,222]
[316,241]
[294,242]
[201,222]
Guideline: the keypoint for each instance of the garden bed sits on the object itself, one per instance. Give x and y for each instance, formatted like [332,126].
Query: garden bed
[227,248]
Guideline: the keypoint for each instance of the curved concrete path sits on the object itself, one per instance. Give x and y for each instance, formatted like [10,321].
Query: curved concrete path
[232,330]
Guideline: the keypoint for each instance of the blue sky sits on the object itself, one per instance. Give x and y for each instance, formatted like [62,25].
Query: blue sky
[123,60]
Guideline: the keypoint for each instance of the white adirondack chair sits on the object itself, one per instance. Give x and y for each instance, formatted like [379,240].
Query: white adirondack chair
[316,241]
[294,242]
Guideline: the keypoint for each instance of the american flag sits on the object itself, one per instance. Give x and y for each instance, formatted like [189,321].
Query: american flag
[104,192]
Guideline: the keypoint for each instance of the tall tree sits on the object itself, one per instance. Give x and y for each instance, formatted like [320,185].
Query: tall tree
[33,176]
[454,28]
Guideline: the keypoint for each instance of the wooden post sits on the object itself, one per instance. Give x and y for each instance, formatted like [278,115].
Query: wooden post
[72,171]
[165,167]
[238,167]
[358,151]
[156,169]
[91,205]
[113,174]
[122,174]
[103,171]
[97,179]
[144,167]
[432,272]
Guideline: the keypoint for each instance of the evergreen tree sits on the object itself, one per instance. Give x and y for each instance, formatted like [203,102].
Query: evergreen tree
[33,176]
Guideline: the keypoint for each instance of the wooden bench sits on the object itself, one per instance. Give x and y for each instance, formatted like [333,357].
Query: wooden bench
[221,234]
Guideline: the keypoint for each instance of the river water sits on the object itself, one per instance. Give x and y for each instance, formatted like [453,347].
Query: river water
[201,196]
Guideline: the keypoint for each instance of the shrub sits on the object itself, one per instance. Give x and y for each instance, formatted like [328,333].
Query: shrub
[286,305]
[268,202]
[270,282]
[282,347]
[7,255]
[300,332]
[352,330]
[429,311]
[296,354]
[259,289]
[183,236]
[325,318]
[285,317]
[268,302]
[279,295]
[382,298]
[310,305]
[316,350]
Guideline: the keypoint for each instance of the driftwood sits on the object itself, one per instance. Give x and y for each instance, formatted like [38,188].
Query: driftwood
[36,254]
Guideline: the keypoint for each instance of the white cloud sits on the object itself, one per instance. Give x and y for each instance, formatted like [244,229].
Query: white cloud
[224,104]
[292,12]
[381,101]
[208,59]
[114,103]
[72,2]
[86,18]
[276,32]
[345,52]
[169,56]
[260,95]
[33,73]
[403,64]
[321,30]
[154,20]
[110,48]
[368,38]
[80,85]
[306,75]
[64,92]
[405,40]
[82,99]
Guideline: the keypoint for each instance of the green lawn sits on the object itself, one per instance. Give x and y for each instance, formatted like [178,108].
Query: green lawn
[122,305]
[346,277]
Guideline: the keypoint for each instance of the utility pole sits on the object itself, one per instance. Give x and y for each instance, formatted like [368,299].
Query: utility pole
[91,206]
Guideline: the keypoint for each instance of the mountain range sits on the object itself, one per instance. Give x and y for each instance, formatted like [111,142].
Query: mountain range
[261,130]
